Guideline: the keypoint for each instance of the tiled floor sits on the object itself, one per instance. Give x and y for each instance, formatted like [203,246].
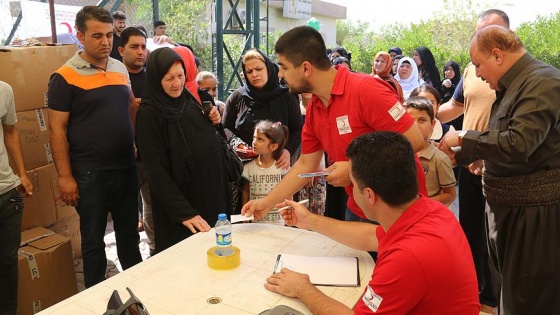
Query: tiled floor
[113,265]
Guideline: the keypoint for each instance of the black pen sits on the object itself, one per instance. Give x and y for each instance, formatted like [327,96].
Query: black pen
[277,263]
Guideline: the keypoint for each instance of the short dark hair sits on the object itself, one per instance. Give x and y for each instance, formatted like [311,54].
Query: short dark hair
[91,12]
[484,15]
[159,23]
[142,28]
[421,103]
[130,31]
[119,15]
[303,43]
[384,161]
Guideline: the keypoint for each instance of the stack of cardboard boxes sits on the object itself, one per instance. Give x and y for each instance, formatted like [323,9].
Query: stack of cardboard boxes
[51,236]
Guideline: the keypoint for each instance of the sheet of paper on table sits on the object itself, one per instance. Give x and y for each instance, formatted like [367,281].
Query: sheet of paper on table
[327,271]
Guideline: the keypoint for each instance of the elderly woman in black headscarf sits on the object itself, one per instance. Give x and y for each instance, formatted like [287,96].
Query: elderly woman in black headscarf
[261,98]
[181,153]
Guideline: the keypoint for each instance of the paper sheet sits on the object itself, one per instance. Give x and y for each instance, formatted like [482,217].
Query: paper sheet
[328,271]
[239,218]
[316,174]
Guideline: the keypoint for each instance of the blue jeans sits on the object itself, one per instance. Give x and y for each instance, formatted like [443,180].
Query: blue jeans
[350,216]
[101,193]
[11,213]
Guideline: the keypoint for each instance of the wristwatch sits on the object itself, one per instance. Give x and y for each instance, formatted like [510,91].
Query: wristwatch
[460,137]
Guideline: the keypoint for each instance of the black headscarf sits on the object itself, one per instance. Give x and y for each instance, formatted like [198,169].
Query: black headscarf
[268,100]
[173,109]
[270,92]
[429,67]
[456,69]
[396,50]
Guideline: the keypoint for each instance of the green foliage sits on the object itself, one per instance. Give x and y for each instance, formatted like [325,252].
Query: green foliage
[447,36]
[184,23]
[541,38]
[357,41]
[445,46]
[235,45]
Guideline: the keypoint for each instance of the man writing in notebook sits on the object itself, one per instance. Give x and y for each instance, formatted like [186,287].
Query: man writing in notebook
[424,264]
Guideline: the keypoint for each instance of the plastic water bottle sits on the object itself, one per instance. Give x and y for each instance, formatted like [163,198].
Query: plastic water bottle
[223,236]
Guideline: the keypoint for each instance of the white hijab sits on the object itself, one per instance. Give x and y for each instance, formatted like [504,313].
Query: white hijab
[412,82]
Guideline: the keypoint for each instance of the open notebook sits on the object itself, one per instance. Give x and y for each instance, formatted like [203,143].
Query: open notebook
[327,271]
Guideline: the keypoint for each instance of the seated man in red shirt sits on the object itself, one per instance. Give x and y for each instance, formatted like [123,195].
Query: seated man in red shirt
[424,264]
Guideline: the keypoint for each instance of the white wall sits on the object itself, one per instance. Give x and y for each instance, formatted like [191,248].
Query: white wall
[279,23]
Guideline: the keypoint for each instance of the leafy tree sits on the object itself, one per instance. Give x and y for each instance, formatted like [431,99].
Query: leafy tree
[447,36]
[357,41]
[184,23]
[540,38]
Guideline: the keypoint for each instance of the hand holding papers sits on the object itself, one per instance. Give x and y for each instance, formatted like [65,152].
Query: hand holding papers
[241,218]
[327,271]
[316,174]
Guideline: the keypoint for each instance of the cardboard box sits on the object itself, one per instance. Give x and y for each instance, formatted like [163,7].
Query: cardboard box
[45,207]
[62,210]
[39,210]
[46,270]
[34,138]
[70,226]
[28,69]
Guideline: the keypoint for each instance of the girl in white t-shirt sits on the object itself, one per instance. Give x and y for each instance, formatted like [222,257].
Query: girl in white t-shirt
[261,175]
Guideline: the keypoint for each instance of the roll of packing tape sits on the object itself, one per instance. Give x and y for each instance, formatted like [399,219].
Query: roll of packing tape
[223,262]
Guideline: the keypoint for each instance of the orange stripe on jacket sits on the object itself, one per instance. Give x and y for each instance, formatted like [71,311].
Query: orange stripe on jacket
[93,81]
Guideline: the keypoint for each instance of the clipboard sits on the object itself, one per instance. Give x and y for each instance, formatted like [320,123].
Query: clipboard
[320,269]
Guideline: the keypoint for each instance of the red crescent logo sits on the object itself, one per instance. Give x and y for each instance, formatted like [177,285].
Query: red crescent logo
[67,26]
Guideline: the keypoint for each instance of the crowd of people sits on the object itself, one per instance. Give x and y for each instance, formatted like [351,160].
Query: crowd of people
[394,144]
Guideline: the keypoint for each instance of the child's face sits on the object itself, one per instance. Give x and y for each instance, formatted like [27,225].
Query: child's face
[209,85]
[261,144]
[423,122]
[432,99]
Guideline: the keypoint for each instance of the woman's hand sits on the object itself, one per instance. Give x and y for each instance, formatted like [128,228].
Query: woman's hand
[284,160]
[197,224]
[214,116]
